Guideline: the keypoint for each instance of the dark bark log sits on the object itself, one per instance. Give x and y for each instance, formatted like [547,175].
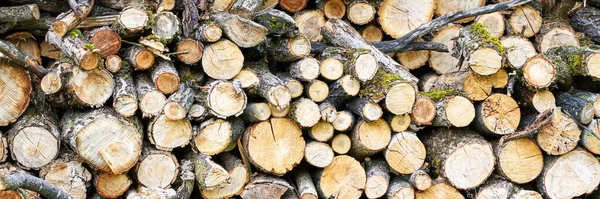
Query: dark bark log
[581,21]
[269,86]
[165,76]
[121,4]
[15,55]
[209,175]
[245,7]
[190,17]
[15,14]
[70,19]
[579,109]
[365,109]
[265,186]
[304,184]
[179,103]
[277,22]
[288,49]
[387,47]
[209,32]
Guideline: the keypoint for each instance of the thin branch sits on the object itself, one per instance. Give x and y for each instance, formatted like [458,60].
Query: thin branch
[13,54]
[387,47]
[24,181]
[541,120]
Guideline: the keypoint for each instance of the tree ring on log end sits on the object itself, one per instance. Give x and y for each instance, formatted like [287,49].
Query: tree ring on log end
[468,166]
[459,111]
[520,160]
[34,147]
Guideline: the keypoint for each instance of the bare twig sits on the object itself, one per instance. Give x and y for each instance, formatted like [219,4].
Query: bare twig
[319,47]
[541,120]
[18,180]
[13,53]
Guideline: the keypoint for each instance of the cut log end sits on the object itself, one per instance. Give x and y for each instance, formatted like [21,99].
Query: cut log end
[343,178]
[310,23]
[191,51]
[152,102]
[51,83]
[420,180]
[144,59]
[499,79]
[581,181]
[112,186]
[520,160]
[343,121]
[331,69]
[369,138]
[174,111]
[485,61]
[459,111]
[90,60]
[34,147]
[365,67]
[322,131]
[400,98]
[399,123]
[440,190]
[341,144]
[412,13]
[371,111]
[213,138]
[168,134]
[560,136]
[157,170]
[361,13]
[299,46]
[543,100]
[317,90]
[334,8]
[113,63]
[279,96]
[518,50]
[499,114]
[526,20]
[106,40]
[423,113]
[318,154]
[483,165]
[167,83]
[93,87]
[494,22]
[222,60]
[305,112]
[405,153]
[293,6]
[372,33]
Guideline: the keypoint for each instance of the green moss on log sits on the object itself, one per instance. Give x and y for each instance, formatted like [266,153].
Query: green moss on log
[486,38]
[377,88]
[436,95]
[89,47]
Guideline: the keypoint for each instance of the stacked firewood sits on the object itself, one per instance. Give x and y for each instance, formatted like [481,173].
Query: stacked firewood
[299,99]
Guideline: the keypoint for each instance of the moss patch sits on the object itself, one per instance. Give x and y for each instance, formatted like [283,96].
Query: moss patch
[89,46]
[437,94]
[74,32]
[486,38]
[379,85]
[153,37]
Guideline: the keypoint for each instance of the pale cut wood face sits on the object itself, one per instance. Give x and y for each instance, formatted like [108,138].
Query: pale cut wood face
[398,17]
[573,174]
[469,165]
[521,160]
[15,87]
[405,153]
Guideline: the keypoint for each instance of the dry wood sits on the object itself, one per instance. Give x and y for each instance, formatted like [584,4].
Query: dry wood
[331,69]
[525,20]
[583,180]
[15,181]
[69,19]
[369,138]
[343,178]
[276,21]
[498,114]
[344,121]
[293,85]
[105,40]
[209,32]
[578,109]
[209,175]
[239,175]
[139,57]
[466,169]
[122,4]
[80,88]
[292,6]
[77,48]
[494,23]
[156,169]
[304,184]
[132,21]
[322,131]
[580,20]
[341,143]
[215,136]
[318,154]
[372,33]
[288,49]
[269,86]
[166,26]
[222,60]
[411,13]
[447,6]
[519,160]
[265,186]
[440,190]
[444,62]
[27,44]
[560,136]
[538,72]
[588,139]
[423,112]
[168,134]
[151,100]
[263,143]
[555,34]
[17,84]
[305,112]
[419,179]
[478,49]
[191,51]
[518,50]
[256,112]
[113,63]
[165,76]
[405,153]
[21,193]
[243,32]
[15,14]
[400,189]
[589,97]
[310,23]
[378,177]
[125,97]
[316,90]
[454,111]
[68,173]
[360,12]
[328,112]
[332,8]
[179,103]
[365,109]
[413,59]
[111,186]
[466,83]
[499,79]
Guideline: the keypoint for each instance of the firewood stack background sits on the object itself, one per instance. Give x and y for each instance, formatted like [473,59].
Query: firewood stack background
[344,99]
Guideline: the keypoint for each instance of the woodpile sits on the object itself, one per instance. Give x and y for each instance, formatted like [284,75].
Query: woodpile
[344,99]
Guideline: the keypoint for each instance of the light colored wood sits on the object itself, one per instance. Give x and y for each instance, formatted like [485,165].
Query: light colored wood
[570,175]
[224,98]
[279,112]
[306,69]
[378,177]
[499,79]
[165,76]
[112,186]
[317,90]
[423,113]
[519,160]
[113,63]
[20,193]
[494,22]
[518,50]
[68,174]
[410,13]
[305,112]
[420,180]
[372,33]
[365,109]
[333,8]
[215,135]
[331,69]
[344,121]
[400,98]
[209,32]
[560,136]
[369,138]
[454,111]
[406,153]
[588,140]
[265,186]
[526,20]
[209,174]
[341,143]
[318,154]
[360,12]
[399,123]
[168,134]
[193,51]
[151,100]
[238,177]
[322,131]
[538,72]
[304,184]
[310,23]
[400,189]
[15,86]
[125,97]
[485,61]
[222,60]
[256,112]
[241,31]
[444,62]
[274,146]
[446,6]
[343,178]
[413,59]
[499,114]
[555,34]
[156,169]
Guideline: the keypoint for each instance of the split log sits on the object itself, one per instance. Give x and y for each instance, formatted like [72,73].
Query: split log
[322,131]
[372,33]
[215,136]
[555,34]
[360,12]
[440,190]
[519,160]
[243,32]
[454,111]
[238,177]
[589,97]
[466,169]
[480,50]
[165,76]
[168,134]
[359,63]
[304,112]
[80,88]
[209,175]
[419,179]
[293,6]
[156,169]
[588,139]
[413,13]
[151,100]
[518,51]
[449,6]
[378,178]
[179,103]
[104,139]
[15,14]
[269,86]
[304,184]
[288,49]
[191,51]
[445,62]
[16,83]
[560,136]
[265,186]
[365,109]
[69,19]
[256,112]
[400,189]
[34,140]
[497,115]
[331,69]
[578,109]
[113,63]
[580,20]
[111,186]
[139,57]
[332,8]
[68,173]
[493,22]
[317,90]
[132,21]
[405,154]
[423,112]
[209,32]
[77,48]
[465,83]
[343,178]
[344,121]
[318,154]
[125,97]
[166,26]
[105,40]
[369,138]
[222,60]
[341,143]
[525,20]
[262,142]
[581,181]
[309,23]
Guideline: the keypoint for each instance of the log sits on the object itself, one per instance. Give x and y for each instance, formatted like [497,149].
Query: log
[445,62]
[494,187]
[243,32]
[369,138]
[360,12]
[165,76]
[245,7]
[16,83]
[423,112]
[69,19]
[317,90]
[525,20]
[577,108]
[156,169]
[166,26]
[256,112]
[365,109]
[191,51]
[343,178]
[304,183]
[574,61]
[449,6]
[588,140]
[293,85]
[310,23]
[467,169]
[87,133]
[113,63]
[465,83]
[518,50]
[582,180]
[580,20]
[555,34]
[132,21]
[419,179]
[560,136]
[81,88]
[105,40]
[198,112]
[261,149]
[480,50]
[306,69]
[27,44]
[454,111]
[321,132]
[111,186]
[125,96]
[378,177]
[168,134]
[589,97]
[265,186]
[269,86]
[413,13]
[34,140]
[68,173]
[277,22]
[440,190]
[77,48]
[359,63]
[209,175]
[288,49]
[331,69]
[344,121]
[215,136]
[25,181]
[493,22]
[179,103]
[523,193]
[332,8]
[122,4]
[151,100]
[139,57]
[341,34]
[519,160]
[328,112]
[405,154]
[209,32]
[318,154]
[239,175]
[279,112]
[400,189]
[497,115]
[141,192]
[7,169]
[222,60]
[15,14]
[341,143]
[499,79]
[538,73]
[304,112]
[372,33]
[413,60]
[292,6]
